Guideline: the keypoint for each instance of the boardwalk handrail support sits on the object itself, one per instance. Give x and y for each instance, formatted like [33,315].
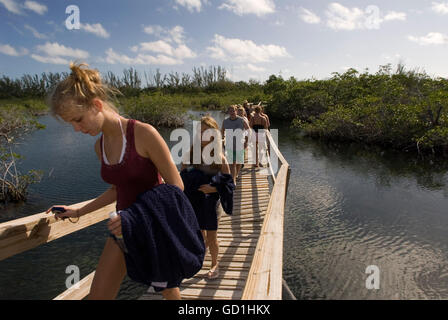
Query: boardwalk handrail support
[265,276]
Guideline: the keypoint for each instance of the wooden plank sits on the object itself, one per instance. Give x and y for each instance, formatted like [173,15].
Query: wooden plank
[29,232]
[228,284]
[79,291]
[232,265]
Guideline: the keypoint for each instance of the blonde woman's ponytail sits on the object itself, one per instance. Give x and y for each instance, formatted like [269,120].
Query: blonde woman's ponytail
[79,89]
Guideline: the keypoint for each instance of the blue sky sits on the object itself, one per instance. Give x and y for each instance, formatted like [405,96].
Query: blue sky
[252,39]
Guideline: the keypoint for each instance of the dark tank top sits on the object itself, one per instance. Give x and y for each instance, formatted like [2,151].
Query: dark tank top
[133,175]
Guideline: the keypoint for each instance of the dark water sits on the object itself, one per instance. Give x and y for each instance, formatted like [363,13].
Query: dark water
[347,208]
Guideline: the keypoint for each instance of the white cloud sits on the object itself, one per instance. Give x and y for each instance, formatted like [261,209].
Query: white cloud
[155,30]
[432,38]
[175,34]
[440,7]
[11,6]
[55,49]
[97,29]
[36,7]
[183,52]
[191,5]
[156,46]
[16,8]
[112,57]
[51,60]
[170,49]
[36,33]
[343,18]
[309,16]
[11,51]
[56,53]
[243,7]
[244,50]
[393,15]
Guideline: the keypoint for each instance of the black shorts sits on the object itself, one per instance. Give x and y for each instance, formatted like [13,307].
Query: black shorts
[208,214]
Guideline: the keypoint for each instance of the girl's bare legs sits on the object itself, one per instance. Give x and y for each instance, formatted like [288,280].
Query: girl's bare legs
[213,244]
[171,294]
[109,274]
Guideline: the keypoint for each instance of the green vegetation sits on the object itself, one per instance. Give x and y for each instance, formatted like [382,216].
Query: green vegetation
[164,99]
[16,114]
[405,109]
[402,109]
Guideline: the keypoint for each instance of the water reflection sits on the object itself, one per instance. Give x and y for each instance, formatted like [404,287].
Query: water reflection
[349,207]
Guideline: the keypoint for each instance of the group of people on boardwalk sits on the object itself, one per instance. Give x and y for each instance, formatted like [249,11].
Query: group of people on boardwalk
[167,219]
[249,119]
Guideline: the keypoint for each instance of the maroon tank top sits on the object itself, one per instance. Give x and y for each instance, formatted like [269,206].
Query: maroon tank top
[133,175]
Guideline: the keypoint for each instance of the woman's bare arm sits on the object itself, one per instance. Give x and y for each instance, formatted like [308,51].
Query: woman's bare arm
[152,145]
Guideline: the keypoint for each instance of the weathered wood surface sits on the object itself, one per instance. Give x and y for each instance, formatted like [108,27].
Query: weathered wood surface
[238,236]
[29,232]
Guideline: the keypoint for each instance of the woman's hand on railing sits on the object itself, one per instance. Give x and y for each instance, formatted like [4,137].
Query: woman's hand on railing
[114,226]
[68,213]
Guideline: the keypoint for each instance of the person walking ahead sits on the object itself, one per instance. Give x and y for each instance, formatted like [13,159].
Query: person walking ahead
[233,130]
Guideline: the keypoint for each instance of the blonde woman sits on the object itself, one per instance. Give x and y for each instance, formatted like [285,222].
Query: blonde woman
[134,158]
[206,185]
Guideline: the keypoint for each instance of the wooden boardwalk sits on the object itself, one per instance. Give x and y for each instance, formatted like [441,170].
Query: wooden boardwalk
[251,240]
[238,236]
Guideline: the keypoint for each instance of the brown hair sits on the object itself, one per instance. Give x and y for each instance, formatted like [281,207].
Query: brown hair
[257,109]
[77,91]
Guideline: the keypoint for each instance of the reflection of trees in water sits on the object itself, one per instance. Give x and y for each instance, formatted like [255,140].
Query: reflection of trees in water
[365,160]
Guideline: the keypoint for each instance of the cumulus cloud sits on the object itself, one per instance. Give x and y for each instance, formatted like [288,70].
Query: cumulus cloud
[191,5]
[36,7]
[113,57]
[238,50]
[243,7]
[440,7]
[393,15]
[56,53]
[11,51]
[156,46]
[175,34]
[432,38]
[50,60]
[97,29]
[308,16]
[170,49]
[344,18]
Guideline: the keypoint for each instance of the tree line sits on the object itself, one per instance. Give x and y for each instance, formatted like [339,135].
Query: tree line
[131,82]
[403,109]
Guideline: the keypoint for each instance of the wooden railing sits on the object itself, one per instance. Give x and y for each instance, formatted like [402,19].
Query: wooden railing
[265,275]
[23,234]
